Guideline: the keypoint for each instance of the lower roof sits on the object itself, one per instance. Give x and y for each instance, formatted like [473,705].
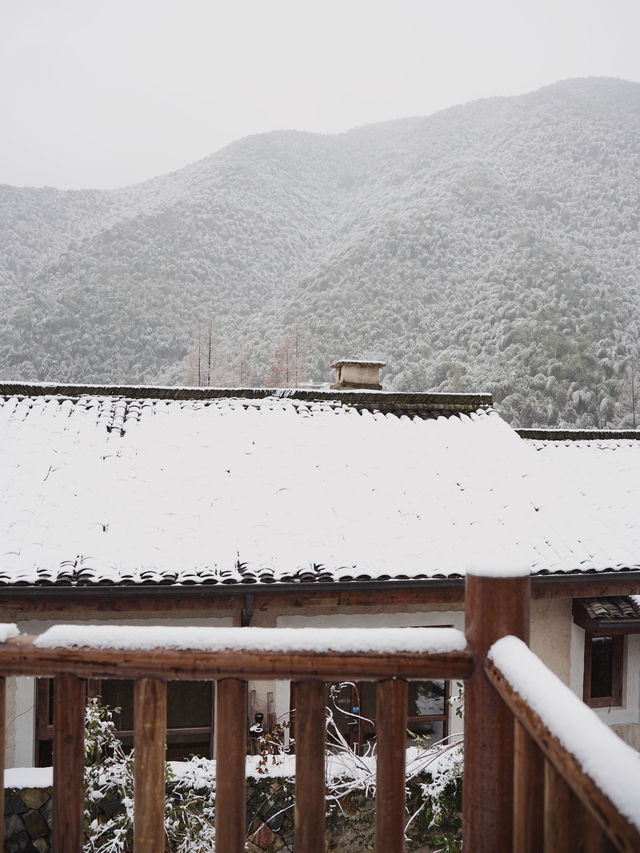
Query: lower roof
[205,486]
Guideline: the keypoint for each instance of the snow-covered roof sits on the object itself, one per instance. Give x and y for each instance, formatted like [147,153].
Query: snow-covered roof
[259,487]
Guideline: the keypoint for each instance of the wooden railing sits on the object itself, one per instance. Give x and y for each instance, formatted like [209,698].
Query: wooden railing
[231,669]
[538,763]
[565,797]
[531,809]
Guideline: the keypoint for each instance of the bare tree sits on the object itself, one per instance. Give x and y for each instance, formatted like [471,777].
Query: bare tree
[286,367]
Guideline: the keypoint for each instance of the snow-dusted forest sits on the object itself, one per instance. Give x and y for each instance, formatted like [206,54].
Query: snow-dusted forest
[493,246]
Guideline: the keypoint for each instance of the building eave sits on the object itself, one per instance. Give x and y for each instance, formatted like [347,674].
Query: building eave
[388,593]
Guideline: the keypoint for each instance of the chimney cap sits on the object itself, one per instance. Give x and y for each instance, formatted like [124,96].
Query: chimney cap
[363,362]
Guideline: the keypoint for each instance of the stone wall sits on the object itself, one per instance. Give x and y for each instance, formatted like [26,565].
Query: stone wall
[27,820]
[350,823]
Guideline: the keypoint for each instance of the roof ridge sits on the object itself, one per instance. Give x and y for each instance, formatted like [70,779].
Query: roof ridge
[554,434]
[368,399]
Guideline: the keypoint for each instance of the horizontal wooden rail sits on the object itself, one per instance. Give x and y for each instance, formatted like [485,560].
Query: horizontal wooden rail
[624,834]
[19,656]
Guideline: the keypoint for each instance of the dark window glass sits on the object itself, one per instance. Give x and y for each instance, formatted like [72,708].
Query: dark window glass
[603,670]
[601,667]
[354,711]
[426,698]
[431,730]
[119,694]
[189,716]
[188,704]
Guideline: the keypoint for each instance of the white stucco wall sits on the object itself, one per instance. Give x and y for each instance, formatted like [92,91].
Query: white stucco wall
[551,621]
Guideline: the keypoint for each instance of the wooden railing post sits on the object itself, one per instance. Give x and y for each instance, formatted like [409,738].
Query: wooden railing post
[528,793]
[311,730]
[494,607]
[597,839]
[231,757]
[391,726]
[150,732]
[68,764]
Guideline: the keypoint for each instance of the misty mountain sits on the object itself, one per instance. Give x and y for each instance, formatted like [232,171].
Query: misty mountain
[492,246]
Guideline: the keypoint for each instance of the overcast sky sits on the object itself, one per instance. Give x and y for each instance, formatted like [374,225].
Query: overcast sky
[103,93]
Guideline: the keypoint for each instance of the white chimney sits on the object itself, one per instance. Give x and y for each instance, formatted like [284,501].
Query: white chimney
[353,374]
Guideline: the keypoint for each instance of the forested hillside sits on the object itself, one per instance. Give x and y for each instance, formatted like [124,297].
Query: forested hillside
[493,246]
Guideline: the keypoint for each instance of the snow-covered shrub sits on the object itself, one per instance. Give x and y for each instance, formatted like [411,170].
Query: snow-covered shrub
[109,777]
[433,776]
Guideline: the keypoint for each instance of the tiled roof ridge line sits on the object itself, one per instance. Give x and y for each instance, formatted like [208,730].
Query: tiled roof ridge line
[377,399]
[553,434]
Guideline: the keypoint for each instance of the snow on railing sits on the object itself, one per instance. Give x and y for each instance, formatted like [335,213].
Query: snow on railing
[599,769]
[282,640]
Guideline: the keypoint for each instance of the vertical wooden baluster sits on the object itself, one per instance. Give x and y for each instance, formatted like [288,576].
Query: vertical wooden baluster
[391,737]
[565,817]
[311,730]
[597,839]
[528,793]
[231,752]
[149,737]
[494,607]
[68,764]
[3,723]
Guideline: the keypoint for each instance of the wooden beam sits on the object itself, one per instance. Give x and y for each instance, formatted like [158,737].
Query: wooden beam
[231,750]
[223,597]
[391,730]
[19,656]
[106,600]
[397,596]
[495,607]
[585,586]
[149,740]
[624,835]
[564,815]
[311,731]
[68,764]
[528,793]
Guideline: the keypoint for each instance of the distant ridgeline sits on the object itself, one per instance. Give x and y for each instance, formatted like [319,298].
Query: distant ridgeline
[493,246]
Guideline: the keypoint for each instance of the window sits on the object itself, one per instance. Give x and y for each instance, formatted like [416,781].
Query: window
[190,716]
[354,711]
[603,661]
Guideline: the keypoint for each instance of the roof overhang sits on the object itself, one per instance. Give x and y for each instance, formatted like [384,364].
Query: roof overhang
[391,594]
[607,616]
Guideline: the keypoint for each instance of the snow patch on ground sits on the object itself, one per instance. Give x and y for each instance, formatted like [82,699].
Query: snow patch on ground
[28,777]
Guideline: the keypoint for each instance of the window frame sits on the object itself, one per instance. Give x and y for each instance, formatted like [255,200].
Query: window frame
[356,732]
[44,718]
[617,674]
